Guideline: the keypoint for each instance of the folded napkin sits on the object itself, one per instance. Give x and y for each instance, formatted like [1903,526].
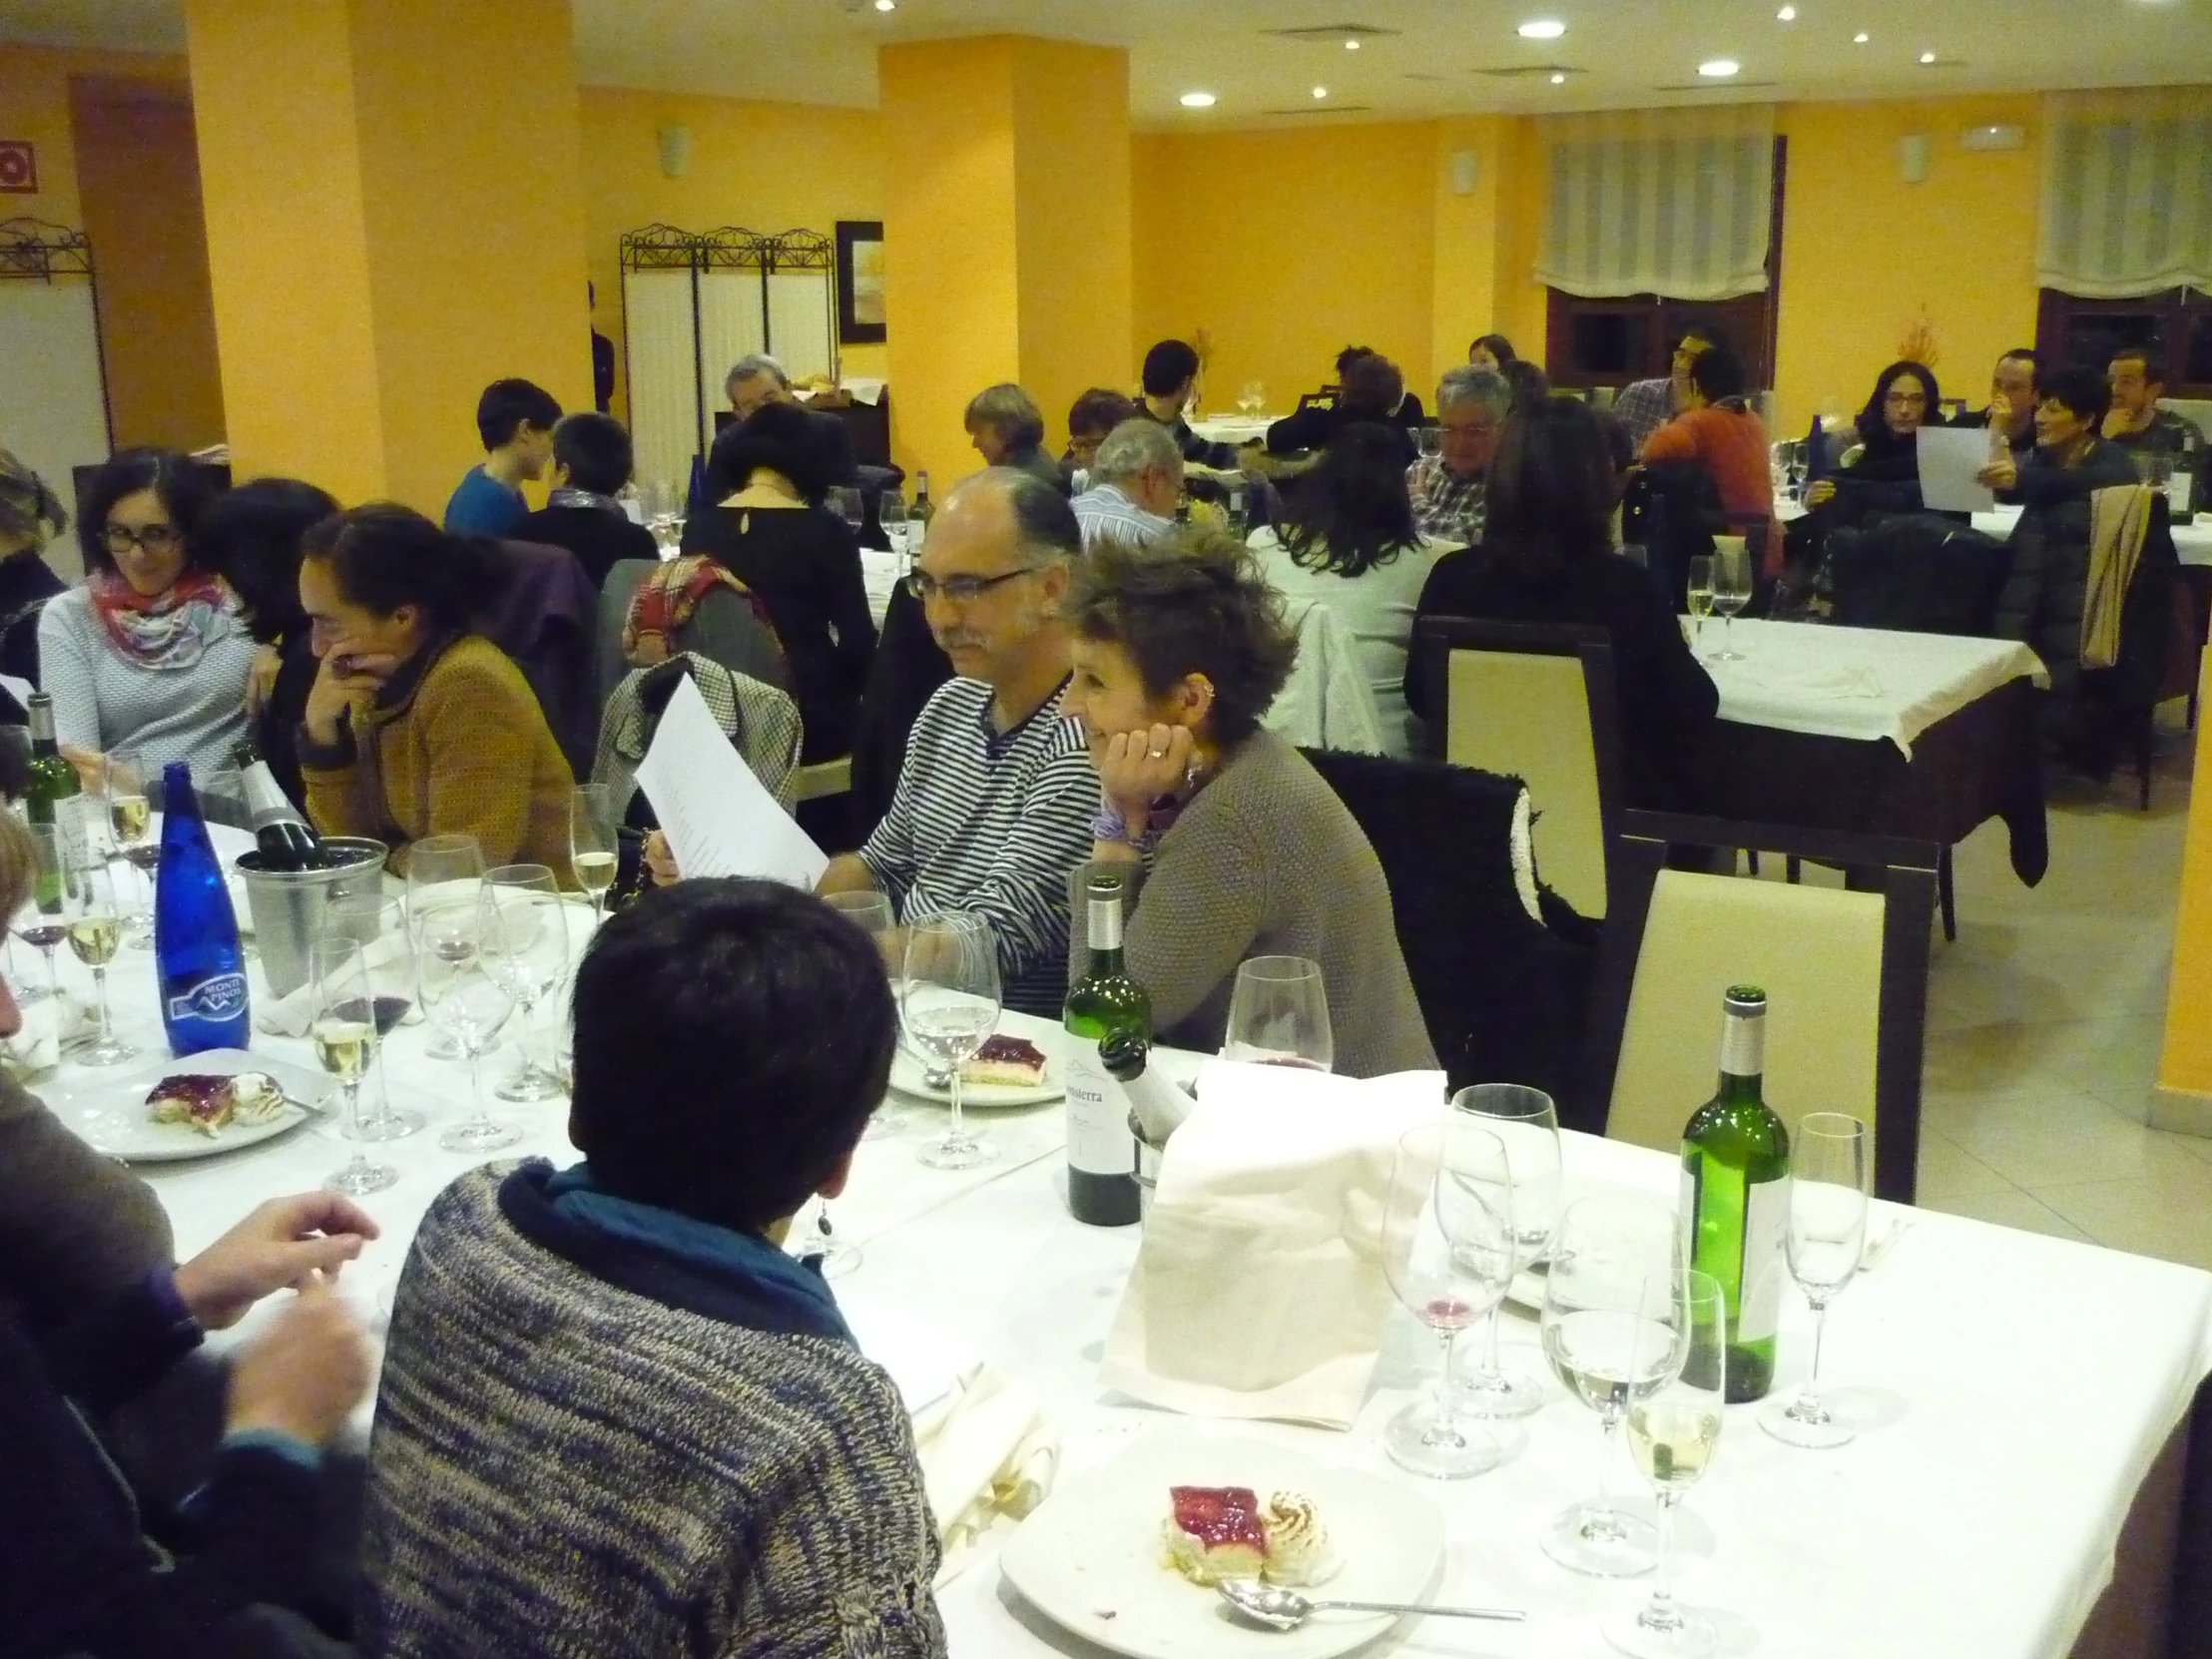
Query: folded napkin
[289,1017]
[987,1454]
[1259,1290]
[1854,681]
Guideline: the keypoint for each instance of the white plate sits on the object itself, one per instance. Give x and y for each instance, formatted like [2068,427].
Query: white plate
[109,1112]
[1089,1558]
[907,1073]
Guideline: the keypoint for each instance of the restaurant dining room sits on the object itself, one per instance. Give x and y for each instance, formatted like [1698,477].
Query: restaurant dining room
[883,828]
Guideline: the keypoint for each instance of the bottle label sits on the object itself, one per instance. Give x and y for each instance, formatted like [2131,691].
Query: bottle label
[217,998]
[1099,1142]
[1766,1218]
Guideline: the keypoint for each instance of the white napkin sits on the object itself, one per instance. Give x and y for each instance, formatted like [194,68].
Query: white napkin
[1259,1291]
[1854,681]
[988,1456]
[289,1017]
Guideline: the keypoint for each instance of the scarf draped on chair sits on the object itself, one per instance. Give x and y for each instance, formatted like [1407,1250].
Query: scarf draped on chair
[168,630]
[667,598]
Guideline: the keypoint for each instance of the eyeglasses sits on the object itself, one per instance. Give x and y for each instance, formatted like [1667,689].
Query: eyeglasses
[154,538]
[961,590]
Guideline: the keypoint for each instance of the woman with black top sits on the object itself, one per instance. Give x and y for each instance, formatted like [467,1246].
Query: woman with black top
[1881,472]
[770,475]
[30,516]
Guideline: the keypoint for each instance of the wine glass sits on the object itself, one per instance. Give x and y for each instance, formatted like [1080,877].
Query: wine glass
[891,513]
[442,871]
[46,927]
[870,911]
[1683,1336]
[1731,590]
[1279,1015]
[379,926]
[1830,1169]
[344,1033]
[1251,397]
[529,955]
[816,1240]
[1700,598]
[592,823]
[452,941]
[950,1002]
[1448,1249]
[124,774]
[1527,1123]
[1593,1317]
[95,922]
[846,503]
[1431,442]
[1801,463]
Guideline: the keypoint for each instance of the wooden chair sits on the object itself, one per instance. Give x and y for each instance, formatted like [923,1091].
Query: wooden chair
[1846,975]
[1535,702]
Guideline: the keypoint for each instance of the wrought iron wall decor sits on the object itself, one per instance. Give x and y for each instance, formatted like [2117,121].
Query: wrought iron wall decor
[32,248]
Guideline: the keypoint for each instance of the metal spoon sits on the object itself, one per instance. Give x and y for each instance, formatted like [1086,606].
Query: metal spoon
[1280,1609]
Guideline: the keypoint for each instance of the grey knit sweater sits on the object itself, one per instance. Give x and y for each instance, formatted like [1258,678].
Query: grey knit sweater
[564,1468]
[1264,862]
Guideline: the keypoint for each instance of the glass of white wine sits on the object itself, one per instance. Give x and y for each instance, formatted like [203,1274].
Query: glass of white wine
[379,926]
[592,846]
[124,777]
[95,935]
[1671,1436]
[344,1037]
[1700,598]
[949,1002]
[1830,1170]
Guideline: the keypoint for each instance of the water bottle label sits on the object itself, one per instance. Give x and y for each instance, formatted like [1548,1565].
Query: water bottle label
[218,998]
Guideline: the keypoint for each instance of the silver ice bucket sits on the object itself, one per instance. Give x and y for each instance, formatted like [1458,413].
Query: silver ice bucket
[288,906]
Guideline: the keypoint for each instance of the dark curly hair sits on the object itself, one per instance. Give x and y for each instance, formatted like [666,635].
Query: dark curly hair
[250,537]
[780,436]
[1193,601]
[184,487]
[1353,509]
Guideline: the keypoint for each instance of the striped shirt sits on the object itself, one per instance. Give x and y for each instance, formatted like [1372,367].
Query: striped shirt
[1106,510]
[991,822]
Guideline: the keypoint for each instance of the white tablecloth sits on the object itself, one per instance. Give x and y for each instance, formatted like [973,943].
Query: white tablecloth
[1866,683]
[2192,541]
[2019,1388]
[1234,429]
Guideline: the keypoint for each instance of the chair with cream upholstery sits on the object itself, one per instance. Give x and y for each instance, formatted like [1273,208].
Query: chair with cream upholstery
[1845,977]
[1535,702]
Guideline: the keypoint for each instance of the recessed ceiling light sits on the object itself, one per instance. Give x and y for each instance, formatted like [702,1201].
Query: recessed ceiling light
[1197,99]
[887,5]
[1558,80]
[1861,38]
[1542,28]
[1320,91]
[1351,46]
[1788,14]
[1718,69]
[1928,57]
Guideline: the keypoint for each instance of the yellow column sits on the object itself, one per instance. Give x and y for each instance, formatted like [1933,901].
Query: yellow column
[2183,1098]
[393,221]
[1006,231]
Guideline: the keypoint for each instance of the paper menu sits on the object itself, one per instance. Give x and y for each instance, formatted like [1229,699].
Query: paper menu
[717,818]
[1949,456]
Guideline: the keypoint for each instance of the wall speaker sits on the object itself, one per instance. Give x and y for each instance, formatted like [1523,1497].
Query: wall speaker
[1913,154]
[675,150]
[1463,167]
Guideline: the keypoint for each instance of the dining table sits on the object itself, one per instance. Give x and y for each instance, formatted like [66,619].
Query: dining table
[2192,540]
[2015,1491]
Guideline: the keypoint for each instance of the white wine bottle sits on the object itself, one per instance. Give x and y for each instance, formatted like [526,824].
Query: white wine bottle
[1107,1008]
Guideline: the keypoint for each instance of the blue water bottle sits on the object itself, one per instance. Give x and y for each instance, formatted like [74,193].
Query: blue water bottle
[196,934]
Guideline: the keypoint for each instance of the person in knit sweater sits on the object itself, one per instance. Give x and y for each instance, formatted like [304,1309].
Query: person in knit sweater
[1230,843]
[1719,428]
[414,725]
[616,1418]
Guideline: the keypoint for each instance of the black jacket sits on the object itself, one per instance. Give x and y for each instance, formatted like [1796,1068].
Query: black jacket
[1312,428]
[598,539]
[2043,592]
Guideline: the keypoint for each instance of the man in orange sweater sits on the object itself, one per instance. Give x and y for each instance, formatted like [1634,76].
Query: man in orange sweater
[1719,428]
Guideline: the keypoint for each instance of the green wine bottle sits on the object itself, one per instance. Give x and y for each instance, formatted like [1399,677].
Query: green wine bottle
[52,781]
[1736,1193]
[1108,1006]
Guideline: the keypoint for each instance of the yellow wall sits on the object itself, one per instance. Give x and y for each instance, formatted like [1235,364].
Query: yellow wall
[2185,1066]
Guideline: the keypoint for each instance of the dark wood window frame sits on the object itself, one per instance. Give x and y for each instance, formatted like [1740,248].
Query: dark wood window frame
[2176,323]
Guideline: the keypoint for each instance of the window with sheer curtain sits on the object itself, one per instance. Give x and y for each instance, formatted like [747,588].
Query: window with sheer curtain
[2127,193]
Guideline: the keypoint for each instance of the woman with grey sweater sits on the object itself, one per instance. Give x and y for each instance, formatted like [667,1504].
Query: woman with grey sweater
[1232,844]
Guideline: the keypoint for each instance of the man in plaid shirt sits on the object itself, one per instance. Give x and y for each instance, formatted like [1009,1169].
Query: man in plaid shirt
[1450,490]
[1643,406]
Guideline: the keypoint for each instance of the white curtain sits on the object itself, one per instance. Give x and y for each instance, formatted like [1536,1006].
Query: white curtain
[729,328]
[664,403]
[1677,203]
[2127,192]
[802,320]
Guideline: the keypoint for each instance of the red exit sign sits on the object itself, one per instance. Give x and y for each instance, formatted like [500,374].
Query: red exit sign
[18,168]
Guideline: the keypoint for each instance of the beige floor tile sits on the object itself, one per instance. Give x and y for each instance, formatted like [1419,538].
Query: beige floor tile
[2011,1208]
[2167,1213]
[1947,1170]
[2061,1137]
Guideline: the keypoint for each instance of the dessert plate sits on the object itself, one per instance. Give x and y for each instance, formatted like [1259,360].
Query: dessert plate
[1090,1558]
[907,1074]
[109,1112]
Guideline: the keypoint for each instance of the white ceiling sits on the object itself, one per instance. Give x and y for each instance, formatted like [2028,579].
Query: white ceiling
[1616,52]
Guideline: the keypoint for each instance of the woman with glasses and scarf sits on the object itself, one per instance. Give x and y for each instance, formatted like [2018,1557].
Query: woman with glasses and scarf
[151,650]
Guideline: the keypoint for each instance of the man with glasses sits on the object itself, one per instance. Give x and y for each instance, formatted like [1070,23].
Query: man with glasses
[1644,407]
[995,799]
[1450,490]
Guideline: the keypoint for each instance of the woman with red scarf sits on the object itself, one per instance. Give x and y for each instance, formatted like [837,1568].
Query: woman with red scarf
[150,650]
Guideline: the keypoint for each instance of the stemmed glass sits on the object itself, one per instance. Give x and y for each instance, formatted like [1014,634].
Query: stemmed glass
[344,1037]
[379,926]
[1699,595]
[95,932]
[46,927]
[1830,1169]
[452,941]
[530,958]
[592,844]
[1251,397]
[846,503]
[1527,1124]
[1430,441]
[891,513]
[1593,1319]
[442,871]
[1447,1248]
[1731,590]
[1801,463]
[950,1002]
[1279,1015]
[1683,1335]
[123,780]
[815,1239]
[870,911]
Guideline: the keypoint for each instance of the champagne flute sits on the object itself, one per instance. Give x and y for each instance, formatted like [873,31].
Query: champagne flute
[1732,589]
[379,926]
[453,941]
[1700,598]
[870,911]
[442,870]
[344,1037]
[592,824]
[1593,1317]
[1527,1124]
[123,779]
[1448,1249]
[1683,1335]
[95,933]
[1830,1170]
[950,1002]
[528,954]
[46,928]
[1279,1015]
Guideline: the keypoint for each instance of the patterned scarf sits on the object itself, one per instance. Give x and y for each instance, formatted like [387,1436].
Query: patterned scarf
[168,630]
[665,600]
[566,497]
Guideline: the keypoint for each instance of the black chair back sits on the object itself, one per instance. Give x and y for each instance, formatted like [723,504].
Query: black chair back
[1919,572]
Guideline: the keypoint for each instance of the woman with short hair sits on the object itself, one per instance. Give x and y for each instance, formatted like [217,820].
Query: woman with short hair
[1230,843]
[1007,429]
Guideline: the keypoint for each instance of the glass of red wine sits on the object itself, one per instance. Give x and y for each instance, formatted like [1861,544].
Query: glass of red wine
[379,926]
[1279,1015]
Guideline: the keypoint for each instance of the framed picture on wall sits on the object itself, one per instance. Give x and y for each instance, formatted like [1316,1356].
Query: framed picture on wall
[860,281]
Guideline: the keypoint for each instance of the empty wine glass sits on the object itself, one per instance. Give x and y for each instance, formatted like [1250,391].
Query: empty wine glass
[1430,441]
[123,792]
[1671,1436]
[1731,590]
[890,514]
[847,504]
[442,871]
[950,1002]
[1279,1015]
[469,1003]
[1593,1319]
[95,932]
[528,954]
[344,1033]
[44,924]
[1448,1249]
[1830,1169]
[1801,463]
[1527,1123]
[816,1237]
[870,911]
[1698,595]
[592,844]
[379,926]
[1251,397]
